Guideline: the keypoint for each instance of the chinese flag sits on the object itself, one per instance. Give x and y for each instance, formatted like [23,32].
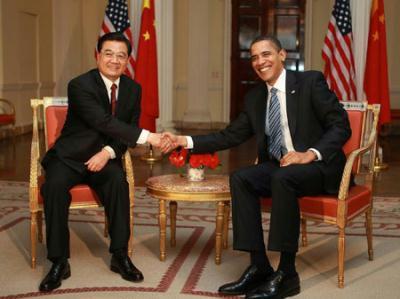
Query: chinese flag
[376,81]
[146,68]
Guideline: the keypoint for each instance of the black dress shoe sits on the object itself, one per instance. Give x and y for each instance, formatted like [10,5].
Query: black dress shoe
[57,273]
[279,285]
[123,265]
[251,278]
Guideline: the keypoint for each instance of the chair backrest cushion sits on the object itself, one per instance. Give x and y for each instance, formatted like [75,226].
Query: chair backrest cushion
[356,118]
[55,119]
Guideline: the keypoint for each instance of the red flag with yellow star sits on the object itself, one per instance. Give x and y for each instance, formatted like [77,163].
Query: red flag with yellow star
[376,81]
[146,68]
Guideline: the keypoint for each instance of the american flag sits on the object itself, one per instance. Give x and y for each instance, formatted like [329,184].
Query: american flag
[117,19]
[338,53]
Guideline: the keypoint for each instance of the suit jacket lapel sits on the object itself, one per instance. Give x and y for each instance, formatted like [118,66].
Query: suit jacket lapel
[123,95]
[261,109]
[105,101]
[292,101]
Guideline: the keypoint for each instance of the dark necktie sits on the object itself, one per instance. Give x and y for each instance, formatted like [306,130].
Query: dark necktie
[113,98]
[274,121]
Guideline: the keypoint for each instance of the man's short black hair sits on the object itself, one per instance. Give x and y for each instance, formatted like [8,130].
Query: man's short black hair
[275,42]
[114,36]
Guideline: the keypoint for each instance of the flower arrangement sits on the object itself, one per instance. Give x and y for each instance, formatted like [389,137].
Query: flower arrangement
[181,156]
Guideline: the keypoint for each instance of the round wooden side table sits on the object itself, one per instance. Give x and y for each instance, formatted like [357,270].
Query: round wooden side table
[175,187]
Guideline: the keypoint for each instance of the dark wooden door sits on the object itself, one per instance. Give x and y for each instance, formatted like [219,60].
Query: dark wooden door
[250,18]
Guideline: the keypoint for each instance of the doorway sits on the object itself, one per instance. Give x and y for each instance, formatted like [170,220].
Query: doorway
[251,18]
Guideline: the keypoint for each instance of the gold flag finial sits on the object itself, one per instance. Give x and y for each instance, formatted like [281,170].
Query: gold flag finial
[146,4]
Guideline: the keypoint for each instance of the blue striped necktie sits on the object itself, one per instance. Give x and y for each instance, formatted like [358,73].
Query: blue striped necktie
[274,122]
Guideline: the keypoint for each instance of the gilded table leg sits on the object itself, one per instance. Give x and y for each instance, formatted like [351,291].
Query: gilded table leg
[173,207]
[218,231]
[227,213]
[162,221]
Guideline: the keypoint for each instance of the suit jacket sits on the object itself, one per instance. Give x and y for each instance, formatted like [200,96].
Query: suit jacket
[89,125]
[316,120]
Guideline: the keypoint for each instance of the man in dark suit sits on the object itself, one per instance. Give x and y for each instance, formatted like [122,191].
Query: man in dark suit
[300,128]
[102,120]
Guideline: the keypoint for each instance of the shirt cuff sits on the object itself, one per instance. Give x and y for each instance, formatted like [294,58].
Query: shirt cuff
[319,157]
[110,150]
[189,141]
[143,137]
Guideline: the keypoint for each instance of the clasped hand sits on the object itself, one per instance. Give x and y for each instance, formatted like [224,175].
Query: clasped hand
[166,141]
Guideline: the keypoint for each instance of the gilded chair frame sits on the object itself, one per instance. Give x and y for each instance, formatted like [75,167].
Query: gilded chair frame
[39,107]
[368,145]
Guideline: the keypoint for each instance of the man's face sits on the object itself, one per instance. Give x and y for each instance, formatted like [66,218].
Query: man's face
[267,61]
[112,59]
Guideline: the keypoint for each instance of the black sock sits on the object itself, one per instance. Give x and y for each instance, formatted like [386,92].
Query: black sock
[120,252]
[260,260]
[287,262]
[59,260]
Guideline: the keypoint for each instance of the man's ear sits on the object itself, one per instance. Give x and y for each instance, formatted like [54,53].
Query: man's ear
[282,55]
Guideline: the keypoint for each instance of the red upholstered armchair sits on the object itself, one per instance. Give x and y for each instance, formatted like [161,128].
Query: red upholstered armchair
[54,114]
[7,114]
[351,201]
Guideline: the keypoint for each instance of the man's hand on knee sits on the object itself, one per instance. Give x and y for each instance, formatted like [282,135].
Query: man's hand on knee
[98,161]
[298,158]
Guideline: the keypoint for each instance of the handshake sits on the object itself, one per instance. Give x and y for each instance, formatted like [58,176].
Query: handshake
[166,141]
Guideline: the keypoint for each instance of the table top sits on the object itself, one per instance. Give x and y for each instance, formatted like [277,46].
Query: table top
[177,187]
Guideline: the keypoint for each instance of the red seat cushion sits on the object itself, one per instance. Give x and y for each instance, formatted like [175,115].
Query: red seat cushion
[80,195]
[6,119]
[325,206]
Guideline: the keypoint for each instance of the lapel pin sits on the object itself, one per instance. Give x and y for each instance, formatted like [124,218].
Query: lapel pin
[293,91]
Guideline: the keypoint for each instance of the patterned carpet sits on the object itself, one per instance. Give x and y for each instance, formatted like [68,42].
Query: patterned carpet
[189,270]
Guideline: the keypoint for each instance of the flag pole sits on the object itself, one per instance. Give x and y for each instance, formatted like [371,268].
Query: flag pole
[379,165]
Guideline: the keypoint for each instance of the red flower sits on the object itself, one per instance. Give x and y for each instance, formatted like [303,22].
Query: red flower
[180,157]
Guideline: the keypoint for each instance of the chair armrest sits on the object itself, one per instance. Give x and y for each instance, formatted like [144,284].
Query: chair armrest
[8,104]
[370,146]
[127,161]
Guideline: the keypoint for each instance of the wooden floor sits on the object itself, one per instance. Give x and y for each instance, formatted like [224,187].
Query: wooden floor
[15,161]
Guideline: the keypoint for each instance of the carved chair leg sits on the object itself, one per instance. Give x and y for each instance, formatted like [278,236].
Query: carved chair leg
[219,231]
[40,226]
[368,225]
[33,239]
[225,232]
[173,208]
[105,226]
[303,223]
[341,248]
